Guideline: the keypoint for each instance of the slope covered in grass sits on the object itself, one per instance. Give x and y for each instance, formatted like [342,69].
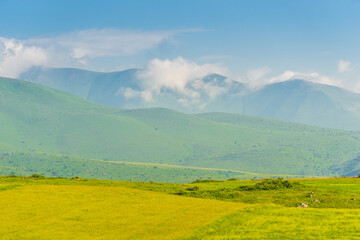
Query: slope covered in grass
[92,212]
[273,222]
[292,100]
[37,208]
[42,120]
[27,164]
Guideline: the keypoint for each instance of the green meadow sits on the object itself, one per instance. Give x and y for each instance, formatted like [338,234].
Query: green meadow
[26,164]
[59,208]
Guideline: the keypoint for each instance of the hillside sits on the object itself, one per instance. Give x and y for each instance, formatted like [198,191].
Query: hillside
[306,102]
[26,164]
[293,100]
[125,89]
[43,120]
[74,81]
[36,208]
[100,211]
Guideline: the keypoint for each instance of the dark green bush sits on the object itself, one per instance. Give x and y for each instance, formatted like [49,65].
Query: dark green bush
[181,193]
[193,188]
[269,184]
[206,181]
[37,176]
[232,179]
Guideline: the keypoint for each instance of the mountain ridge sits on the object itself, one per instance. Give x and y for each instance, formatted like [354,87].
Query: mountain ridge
[294,100]
[39,119]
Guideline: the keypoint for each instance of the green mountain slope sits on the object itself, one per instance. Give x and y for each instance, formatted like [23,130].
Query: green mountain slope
[293,100]
[42,120]
[125,89]
[27,164]
[74,81]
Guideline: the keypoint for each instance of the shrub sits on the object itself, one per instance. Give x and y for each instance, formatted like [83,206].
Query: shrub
[181,193]
[37,176]
[269,184]
[193,188]
[206,181]
[232,179]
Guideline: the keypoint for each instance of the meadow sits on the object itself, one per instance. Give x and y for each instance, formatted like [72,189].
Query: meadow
[26,164]
[60,208]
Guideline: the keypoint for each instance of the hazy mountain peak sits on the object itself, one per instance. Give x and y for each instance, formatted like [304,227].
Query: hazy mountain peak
[295,100]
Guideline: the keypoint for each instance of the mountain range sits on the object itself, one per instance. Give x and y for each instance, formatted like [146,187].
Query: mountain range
[293,100]
[59,133]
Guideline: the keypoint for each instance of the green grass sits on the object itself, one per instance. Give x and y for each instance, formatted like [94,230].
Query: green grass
[274,222]
[35,119]
[27,164]
[55,211]
[39,207]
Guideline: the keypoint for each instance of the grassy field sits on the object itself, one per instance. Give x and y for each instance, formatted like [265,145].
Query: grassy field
[35,120]
[26,164]
[93,212]
[42,208]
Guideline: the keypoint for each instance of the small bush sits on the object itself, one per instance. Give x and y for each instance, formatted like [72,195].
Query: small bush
[269,184]
[11,176]
[181,193]
[206,181]
[193,188]
[232,179]
[37,176]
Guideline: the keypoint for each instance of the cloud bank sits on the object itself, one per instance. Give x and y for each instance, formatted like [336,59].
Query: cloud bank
[259,77]
[15,57]
[75,49]
[256,77]
[182,76]
[310,76]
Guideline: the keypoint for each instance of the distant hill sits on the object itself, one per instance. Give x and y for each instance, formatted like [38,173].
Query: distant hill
[75,81]
[306,102]
[36,119]
[123,89]
[294,100]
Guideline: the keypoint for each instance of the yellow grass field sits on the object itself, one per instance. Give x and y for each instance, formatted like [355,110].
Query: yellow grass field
[59,208]
[98,212]
[275,222]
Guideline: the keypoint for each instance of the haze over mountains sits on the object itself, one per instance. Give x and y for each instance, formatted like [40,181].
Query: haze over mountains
[293,100]
[36,120]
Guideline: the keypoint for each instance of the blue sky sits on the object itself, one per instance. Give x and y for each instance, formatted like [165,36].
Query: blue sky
[254,41]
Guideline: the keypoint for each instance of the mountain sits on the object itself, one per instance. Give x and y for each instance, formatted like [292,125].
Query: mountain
[74,81]
[306,102]
[294,100]
[126,89]
[39,120]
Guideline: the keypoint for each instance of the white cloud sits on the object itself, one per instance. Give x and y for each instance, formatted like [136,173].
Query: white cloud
[210,88]
[256,76]
[106,42]
[310,76]
[128,92]
[343,66]
[351,83]
[15,57]
[76,49]
[179,75]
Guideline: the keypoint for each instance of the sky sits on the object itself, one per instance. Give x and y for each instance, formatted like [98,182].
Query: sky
[252,41]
